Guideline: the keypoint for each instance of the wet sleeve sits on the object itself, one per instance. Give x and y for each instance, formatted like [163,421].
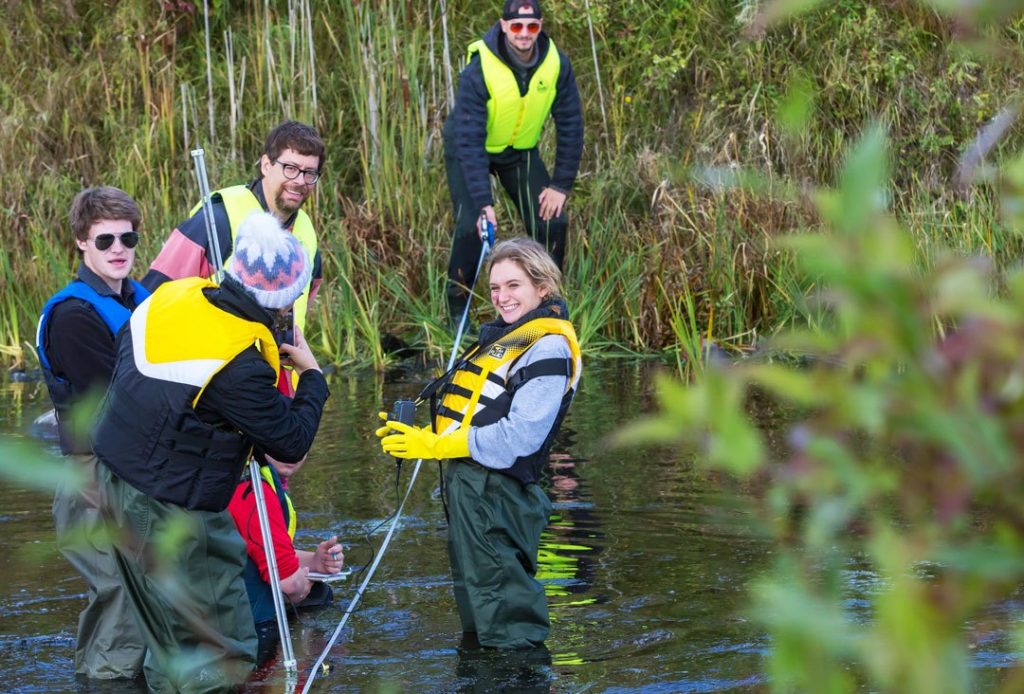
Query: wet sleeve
[534,410]
[246,517]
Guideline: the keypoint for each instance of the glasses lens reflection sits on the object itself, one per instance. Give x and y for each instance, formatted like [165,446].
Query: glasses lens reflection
[291,172]
[517,27]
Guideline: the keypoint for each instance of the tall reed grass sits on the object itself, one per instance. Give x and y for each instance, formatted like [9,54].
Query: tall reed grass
[657,263]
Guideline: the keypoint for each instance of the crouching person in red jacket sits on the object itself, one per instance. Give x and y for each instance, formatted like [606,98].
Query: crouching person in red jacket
[294,566]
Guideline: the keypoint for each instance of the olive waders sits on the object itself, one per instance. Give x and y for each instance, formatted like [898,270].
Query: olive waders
[183,569]
[494,528]
[109,644]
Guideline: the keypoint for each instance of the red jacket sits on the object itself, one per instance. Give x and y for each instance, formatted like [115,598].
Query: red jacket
[243,509]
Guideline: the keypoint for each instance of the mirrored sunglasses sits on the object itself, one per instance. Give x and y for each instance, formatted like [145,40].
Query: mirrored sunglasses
[129,239]
[516,27]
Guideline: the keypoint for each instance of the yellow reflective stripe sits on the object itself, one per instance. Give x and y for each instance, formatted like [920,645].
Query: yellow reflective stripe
[269,478]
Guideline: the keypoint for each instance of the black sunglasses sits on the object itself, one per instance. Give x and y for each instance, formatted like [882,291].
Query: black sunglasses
[129,239]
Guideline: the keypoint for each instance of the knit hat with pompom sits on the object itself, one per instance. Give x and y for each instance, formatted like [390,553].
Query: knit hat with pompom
[269,262]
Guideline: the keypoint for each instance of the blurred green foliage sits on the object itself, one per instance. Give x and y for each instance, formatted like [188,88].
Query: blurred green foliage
[905,449]
[904,453]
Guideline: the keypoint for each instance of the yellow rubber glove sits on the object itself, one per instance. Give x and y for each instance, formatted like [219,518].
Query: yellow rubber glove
[421,442]
[385,430]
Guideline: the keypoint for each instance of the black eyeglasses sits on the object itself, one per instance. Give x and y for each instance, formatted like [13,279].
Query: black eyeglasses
[291,172]
[129,239]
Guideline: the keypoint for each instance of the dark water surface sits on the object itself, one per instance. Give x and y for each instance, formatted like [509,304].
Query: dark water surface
[644,593]
[644,564]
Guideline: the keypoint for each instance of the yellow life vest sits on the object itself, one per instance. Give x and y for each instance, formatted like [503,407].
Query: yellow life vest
[513,120]
[191,340]
[269,478]
[479,383]
[240,202]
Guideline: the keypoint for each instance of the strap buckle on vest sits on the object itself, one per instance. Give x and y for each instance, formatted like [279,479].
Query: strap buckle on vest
[449,413]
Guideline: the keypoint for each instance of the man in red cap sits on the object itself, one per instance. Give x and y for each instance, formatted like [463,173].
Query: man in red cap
[515,78]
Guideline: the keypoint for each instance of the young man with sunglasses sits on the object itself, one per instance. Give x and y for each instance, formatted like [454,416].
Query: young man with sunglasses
[514,80]
[75,343]
[288,170]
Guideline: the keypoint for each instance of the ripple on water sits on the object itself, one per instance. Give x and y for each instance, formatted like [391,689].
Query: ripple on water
[644,565]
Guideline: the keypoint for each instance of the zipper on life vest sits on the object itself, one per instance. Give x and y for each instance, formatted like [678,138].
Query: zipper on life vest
[519,121]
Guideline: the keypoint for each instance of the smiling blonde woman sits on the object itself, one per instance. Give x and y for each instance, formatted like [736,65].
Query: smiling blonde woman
[496,414]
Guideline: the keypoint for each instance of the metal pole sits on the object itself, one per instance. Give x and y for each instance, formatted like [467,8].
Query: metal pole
[465,311]
[275,581]
[212,240]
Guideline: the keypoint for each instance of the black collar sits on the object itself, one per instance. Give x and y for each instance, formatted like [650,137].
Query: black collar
[498,328]
[96,283]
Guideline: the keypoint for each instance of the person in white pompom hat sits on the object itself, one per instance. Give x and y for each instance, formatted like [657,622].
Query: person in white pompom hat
[194,391]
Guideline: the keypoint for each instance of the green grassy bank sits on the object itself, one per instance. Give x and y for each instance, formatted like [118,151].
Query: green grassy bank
[116,93]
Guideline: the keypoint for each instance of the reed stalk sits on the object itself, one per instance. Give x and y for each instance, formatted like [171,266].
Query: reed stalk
[209,72]
[597,69]
[651,251]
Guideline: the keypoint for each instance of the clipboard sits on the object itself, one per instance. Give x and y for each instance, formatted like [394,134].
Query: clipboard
[330,578]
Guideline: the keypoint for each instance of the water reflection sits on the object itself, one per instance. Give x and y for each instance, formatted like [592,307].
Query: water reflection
[644,564]
[642,592]
[482,670]
[568,553]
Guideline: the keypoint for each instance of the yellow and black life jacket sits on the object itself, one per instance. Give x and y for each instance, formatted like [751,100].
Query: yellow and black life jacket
[148,433]
[479,389]
[513,119]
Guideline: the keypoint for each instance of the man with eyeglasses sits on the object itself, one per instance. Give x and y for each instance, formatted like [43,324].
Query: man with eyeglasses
[514,80]
[289,168]
[75,343]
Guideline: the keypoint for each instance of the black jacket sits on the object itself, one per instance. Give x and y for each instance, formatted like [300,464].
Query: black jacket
[465,129]
[244,394]
[80,349]
[151,437]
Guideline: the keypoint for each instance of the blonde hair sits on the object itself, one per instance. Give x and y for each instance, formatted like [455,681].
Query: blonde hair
[533,259]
